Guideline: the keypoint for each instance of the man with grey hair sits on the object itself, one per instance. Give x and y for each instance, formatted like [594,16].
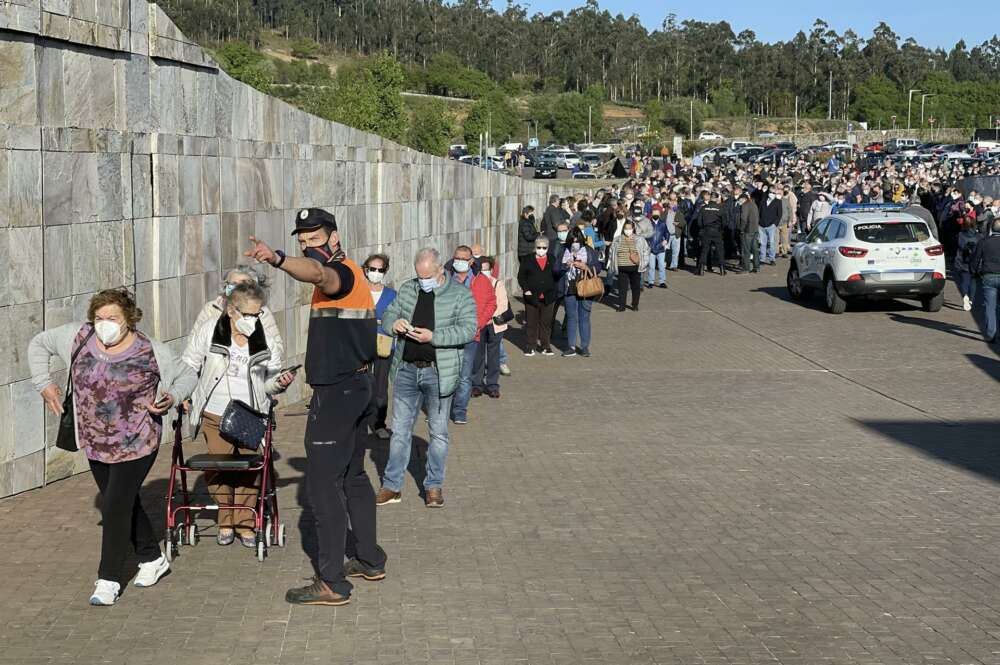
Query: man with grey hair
[553,215]
[434,318]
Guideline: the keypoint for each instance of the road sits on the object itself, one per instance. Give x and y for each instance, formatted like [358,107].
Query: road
[732,478]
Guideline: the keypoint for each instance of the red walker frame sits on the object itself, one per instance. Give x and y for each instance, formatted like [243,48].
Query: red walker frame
[267,523]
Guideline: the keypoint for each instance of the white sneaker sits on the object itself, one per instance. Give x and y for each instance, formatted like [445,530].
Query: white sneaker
[505,370]
[966,303]
[105,593]
[151,572]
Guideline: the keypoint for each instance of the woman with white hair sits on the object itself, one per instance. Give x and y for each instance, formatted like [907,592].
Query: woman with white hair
[241,274]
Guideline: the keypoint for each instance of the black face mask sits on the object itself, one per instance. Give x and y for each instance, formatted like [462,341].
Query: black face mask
[323,253]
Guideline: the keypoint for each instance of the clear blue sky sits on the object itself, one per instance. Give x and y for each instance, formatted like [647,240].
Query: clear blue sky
[932,24]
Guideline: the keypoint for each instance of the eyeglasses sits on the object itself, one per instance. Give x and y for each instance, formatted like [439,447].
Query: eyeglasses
[252,316]
[381,270]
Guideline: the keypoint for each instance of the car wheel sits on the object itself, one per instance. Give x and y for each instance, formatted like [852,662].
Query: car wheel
[835,304]
[794,282]
[932,303]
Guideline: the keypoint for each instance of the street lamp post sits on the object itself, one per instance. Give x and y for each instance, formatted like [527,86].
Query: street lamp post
[893,123]
[923,98]
[909,107]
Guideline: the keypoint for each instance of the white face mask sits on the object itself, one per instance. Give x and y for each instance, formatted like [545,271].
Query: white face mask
[627,232]
[108,332]
[428,284]
[487,273]
[541,251]
[245,325]
[375,277]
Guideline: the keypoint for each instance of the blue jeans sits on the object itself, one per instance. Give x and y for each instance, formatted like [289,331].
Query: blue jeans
[768,242]
[966,283]
[412,388]
[655,260]
[675,251]
[578,320]
[460,405]
[503,353]
[991,282]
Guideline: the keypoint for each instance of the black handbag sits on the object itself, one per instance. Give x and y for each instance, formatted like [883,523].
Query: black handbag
[506,317]
[242,425]
[66,437]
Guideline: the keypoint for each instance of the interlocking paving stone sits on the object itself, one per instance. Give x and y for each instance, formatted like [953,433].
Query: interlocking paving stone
[731,479]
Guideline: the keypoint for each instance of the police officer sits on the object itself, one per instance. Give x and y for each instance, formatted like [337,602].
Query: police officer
[339,357]
[710,232]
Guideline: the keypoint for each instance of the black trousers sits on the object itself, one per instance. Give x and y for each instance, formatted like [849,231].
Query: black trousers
[750,248]
[336,481]
[123,520]
[486,373]
[538,325]
[380,394]
[628,277]
[707,241]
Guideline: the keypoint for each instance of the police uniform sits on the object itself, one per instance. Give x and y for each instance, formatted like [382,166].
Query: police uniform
[710,233]
[340,352]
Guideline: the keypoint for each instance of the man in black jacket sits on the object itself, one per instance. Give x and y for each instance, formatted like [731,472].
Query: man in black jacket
[731,222]
[749,230]
[710,233]
[553,215]
[770,216]
[806,198]
[985,264]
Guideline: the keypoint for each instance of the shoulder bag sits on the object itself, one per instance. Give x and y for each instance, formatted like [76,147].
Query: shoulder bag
[588,284]
[242,425]
[66,437]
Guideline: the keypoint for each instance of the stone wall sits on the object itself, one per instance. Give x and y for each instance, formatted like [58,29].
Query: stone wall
[128,157]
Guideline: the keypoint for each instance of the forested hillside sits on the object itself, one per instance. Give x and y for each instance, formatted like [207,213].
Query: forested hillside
[468,49]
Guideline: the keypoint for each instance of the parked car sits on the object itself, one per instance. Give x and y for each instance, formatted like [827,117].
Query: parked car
[511,147]
[567,160]
[748,153]
[897,144]
[584,175]
[457,150]
[875,146]
[711,136]
[765,134]
[593,159]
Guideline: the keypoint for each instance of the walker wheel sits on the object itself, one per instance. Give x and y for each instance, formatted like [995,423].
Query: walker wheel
[261,551]
[281,535]
[170,546]
[268,534]
[192,535]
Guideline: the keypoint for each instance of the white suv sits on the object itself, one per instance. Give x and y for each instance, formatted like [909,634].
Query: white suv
[869,251]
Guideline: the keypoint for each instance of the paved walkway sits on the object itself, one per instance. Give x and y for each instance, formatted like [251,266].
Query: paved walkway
[732,478]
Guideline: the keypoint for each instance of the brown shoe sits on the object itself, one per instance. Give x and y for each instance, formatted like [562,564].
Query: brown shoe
[434,498]
[317,593]
[386,496]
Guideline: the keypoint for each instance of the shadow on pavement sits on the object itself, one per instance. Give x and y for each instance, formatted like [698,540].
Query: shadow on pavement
[970,445]
[940,326]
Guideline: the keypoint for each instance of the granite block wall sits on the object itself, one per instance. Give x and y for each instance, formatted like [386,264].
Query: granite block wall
[127,157]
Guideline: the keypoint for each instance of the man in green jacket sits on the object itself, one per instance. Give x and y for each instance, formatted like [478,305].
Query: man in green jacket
[435,317]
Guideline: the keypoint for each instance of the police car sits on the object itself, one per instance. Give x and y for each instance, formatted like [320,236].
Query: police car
[869,252]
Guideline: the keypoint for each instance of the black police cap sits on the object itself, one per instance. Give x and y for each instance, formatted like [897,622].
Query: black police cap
[310,219]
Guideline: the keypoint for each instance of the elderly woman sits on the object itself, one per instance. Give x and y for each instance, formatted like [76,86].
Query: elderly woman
[241,274]
[122,382]
[629,256]
[486,373]
[537,279]
[237,359]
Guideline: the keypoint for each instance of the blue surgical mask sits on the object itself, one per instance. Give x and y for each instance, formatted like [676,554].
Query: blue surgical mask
[428,284]
[460,265]
[229,289]
[563,235]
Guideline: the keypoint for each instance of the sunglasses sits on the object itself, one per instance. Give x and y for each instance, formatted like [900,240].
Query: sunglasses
[242,313]
[381,270]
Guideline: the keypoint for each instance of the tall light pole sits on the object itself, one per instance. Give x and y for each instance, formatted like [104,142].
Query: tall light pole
[691,120]
[923,98]
[829,108]
[909,107]
[796,132]
[590,128]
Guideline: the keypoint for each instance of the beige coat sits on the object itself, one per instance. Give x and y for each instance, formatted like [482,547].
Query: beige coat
[503,302]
